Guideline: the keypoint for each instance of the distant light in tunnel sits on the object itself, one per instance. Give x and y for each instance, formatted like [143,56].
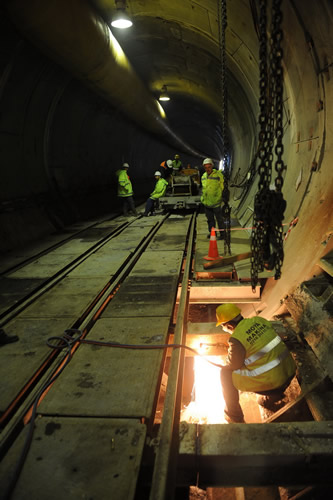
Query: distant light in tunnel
[121,19]
[221,165]
[164,96]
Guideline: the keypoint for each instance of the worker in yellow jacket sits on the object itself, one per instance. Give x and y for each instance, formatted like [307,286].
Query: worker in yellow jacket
[159,191]
[212,183]
[125,190]
[258,361]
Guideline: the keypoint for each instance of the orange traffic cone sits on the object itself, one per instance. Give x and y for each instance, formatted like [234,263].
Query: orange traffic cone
[213,252]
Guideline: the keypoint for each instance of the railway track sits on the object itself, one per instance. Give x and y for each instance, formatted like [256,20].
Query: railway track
[107,269]
[86,408]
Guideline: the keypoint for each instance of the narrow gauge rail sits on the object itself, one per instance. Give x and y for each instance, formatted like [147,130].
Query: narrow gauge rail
[33,275]
[73,299]
[95,429]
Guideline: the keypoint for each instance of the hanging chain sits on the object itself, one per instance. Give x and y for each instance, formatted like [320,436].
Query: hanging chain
[226,210]
[269,206]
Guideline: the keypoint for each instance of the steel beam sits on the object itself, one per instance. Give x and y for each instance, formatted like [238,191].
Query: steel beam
[296,453]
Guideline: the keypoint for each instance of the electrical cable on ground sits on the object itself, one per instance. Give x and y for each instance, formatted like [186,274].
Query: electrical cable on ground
[67,341]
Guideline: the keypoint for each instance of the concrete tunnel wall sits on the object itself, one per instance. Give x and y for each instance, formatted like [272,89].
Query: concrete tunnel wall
[61,144]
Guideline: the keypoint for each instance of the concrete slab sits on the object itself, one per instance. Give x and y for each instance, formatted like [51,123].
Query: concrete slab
[20,360]
[73,247]
[94,234]
[68,298]
[78,458]
[128,239]
[106,381]
[63,301]
[13,290]
[159,264]
[44,267]
[172,235]
[144,222]
[141,296]
[102,264]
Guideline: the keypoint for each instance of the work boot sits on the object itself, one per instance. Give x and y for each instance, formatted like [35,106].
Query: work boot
[6,339]
[268,402]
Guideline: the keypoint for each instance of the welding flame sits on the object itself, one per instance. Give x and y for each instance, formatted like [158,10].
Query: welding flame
[207,405]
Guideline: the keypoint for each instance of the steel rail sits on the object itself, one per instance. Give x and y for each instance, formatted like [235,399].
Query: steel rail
[167,442]
[84,324]
[13,311]
[54,246]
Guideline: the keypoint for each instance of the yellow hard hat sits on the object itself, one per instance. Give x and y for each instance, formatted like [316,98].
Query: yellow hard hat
[226,312]
[176,157]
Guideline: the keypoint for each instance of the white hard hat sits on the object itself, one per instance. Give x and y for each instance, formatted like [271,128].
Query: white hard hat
[169,163]
[157,173]
[207,161]
[125,165]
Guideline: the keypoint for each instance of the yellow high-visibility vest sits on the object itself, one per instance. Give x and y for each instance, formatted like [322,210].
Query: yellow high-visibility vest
[268,363]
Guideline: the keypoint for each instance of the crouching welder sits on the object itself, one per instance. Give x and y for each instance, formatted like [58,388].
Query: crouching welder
[159,191]
[258,361]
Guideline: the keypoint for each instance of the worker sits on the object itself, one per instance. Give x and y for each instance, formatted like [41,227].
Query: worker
[258,361]
[159,191]
[125,190]
[212,182]
[177,165]
[7,339]
[166,169]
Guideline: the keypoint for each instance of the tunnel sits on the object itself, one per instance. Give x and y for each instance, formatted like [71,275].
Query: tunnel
[79,98]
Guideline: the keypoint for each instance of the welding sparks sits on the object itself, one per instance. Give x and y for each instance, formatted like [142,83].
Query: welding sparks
[207,405]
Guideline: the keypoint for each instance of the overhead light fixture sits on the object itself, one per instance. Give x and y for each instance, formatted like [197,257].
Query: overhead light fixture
[164,96]
[120,18]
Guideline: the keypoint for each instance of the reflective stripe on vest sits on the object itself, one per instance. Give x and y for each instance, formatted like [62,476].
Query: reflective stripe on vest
[268,347]
[264,368]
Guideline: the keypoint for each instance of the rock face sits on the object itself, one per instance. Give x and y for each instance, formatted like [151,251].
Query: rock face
[311,307]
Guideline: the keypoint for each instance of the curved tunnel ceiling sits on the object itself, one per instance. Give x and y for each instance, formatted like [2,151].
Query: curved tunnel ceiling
[173,44]
[176,44]
[59,137]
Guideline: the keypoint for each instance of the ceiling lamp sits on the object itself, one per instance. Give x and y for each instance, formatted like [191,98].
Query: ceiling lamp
[164,96]
[120,18]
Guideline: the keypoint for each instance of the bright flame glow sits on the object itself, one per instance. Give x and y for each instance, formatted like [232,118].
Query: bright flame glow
[207,405]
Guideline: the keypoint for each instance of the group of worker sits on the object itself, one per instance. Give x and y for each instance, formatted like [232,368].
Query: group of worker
[125,189]
[212,183]
[258,360]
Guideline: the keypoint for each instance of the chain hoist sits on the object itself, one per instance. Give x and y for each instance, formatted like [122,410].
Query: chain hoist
[269,205]
[226,210]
